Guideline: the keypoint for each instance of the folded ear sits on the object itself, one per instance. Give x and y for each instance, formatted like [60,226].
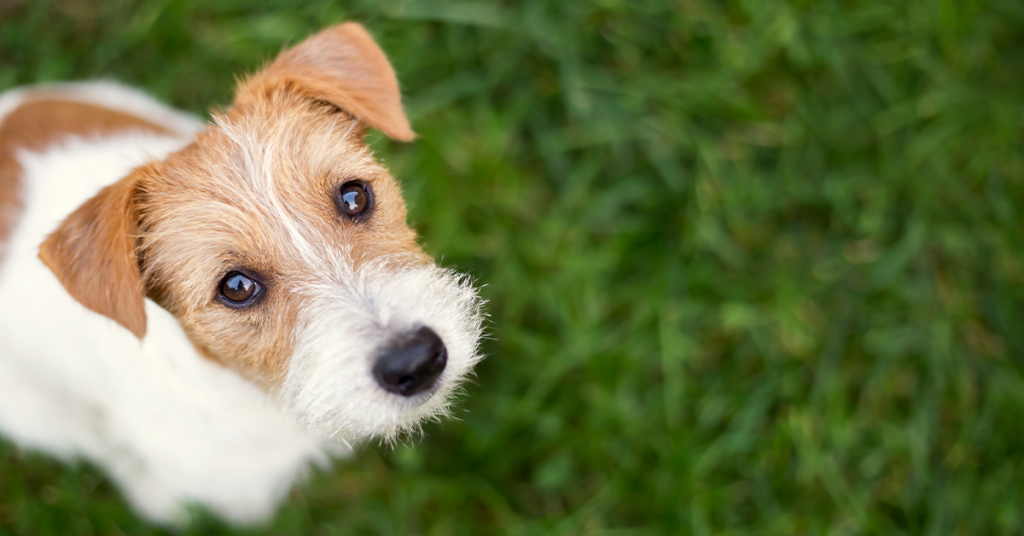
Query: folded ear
[93,254]
[345,67]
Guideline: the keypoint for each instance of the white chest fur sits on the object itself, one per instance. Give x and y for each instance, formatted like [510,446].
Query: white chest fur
[171,427]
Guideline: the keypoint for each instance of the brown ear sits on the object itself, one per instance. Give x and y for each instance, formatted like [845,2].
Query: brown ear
[345,67]
[92,253]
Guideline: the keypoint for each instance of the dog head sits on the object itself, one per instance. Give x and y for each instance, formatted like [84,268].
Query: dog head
[281,246]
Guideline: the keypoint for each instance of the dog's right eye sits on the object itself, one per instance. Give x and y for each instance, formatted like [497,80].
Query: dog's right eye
[238,289]
[354,199]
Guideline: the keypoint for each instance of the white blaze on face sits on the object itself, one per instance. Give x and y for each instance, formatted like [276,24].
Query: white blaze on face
[330,388]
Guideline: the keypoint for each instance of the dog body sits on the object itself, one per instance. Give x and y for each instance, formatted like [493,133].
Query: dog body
[167,424]
[205,310]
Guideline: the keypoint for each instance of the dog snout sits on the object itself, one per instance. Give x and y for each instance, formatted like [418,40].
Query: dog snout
[413,365]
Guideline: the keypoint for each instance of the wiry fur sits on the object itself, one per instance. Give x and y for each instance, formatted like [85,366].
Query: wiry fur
[215,405]
[356,313]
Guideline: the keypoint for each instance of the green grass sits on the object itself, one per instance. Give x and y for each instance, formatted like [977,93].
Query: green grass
[752,267]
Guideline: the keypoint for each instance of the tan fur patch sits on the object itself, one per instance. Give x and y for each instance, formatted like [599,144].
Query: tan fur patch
[344,67]
[256,193]
[39,122]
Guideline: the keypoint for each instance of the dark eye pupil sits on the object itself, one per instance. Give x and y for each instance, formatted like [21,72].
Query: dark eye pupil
[353,199]
[238,288]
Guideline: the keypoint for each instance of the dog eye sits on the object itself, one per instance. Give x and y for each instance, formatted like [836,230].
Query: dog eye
[238,289]
[354,198]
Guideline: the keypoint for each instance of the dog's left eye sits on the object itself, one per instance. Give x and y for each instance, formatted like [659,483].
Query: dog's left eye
[238,289]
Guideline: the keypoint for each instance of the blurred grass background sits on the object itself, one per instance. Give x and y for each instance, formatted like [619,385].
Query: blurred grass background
[753,267]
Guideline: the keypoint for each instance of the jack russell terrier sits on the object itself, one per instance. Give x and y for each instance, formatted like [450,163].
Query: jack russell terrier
[206,310]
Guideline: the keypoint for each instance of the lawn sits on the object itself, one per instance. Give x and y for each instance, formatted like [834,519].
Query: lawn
[752,267]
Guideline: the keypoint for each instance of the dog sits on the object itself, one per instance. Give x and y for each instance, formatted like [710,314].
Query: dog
[206,311]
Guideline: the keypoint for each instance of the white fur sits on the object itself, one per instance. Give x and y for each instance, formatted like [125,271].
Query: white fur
[350,318]
[169,426]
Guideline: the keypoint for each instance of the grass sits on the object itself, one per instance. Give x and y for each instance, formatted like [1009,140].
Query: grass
[753,267]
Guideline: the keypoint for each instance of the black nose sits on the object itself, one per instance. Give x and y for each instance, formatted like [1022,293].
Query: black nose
[412,365]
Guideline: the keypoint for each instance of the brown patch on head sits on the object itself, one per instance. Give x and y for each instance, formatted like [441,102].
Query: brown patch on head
[256,193]
[36,124]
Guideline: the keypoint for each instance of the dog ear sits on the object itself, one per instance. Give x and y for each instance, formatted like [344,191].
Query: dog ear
[92,253]
[344,67]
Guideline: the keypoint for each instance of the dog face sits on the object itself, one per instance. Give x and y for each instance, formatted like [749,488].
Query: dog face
[281,245]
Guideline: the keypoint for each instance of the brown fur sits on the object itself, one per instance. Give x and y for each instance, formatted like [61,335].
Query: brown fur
[235,198]
[230,228]
[92,253]
[39,122]
[341,66]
